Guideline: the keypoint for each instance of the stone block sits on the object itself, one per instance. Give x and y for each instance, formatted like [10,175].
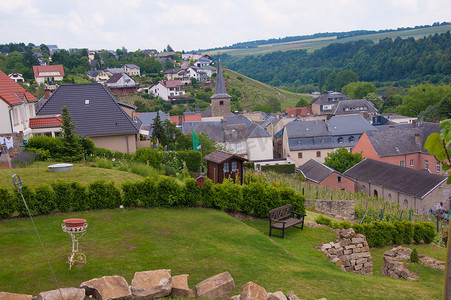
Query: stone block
[180,287]
[332,251]
[345,242]
[67,293]
[340,253]
[357,250]
[151,284]
[347,252]
[216,287]
[337,245]
[12,296]
[349,247]
[360,245]
[365,249]
[107,287]
[361,261]
[357,240]
[277,296]
[358,267]
[347,233]
[326,246]
[252,291]
[292,296]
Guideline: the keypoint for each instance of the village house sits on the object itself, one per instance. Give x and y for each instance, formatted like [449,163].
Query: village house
[410,188]
[317,173]
[173,74]
[97,114]
[296,112]
[17,77]
[98,76]
[401,145]
[48,73]
[304,140]
[168,90]
[198,73]
[327,102]
[48,125]
[122,84]
[362,107]
[16,107]
[132,69]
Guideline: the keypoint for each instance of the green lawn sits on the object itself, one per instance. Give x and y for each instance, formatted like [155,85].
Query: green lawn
[37,173]
[198,242]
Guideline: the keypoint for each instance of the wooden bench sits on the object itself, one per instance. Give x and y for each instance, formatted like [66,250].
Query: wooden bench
[283,217]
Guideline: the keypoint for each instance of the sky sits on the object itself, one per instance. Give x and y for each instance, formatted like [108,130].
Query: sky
[201,24]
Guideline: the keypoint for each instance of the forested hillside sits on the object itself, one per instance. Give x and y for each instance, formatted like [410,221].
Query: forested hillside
[407,61]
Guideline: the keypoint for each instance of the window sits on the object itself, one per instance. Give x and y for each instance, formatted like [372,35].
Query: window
[221,102]
[226,168]
[406,203]
[437,167]
[402,163]
[340,140]
[412,162]
[300,155]
[339,179]
[351,139]
[234,166]
[426,165]
[318,153]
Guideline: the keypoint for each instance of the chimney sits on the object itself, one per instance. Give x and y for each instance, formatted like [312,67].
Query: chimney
[417,138]
[47,94]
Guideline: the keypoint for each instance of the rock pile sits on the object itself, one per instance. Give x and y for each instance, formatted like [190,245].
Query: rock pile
[157,284]
[350,252]
[395,267]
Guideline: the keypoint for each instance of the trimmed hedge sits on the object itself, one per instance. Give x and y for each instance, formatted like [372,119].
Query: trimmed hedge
[255,199]
[285,169]
[379,234]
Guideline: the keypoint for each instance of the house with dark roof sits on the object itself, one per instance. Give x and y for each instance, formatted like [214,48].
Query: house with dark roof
[16,107]
[327,102]
[98,76]
[112,71]
[317,173]
[122,84]
[48,73]
[97,114]
[147,119]
[168,90]
[196,72]
[362,107]
[222,165]
[401,145]
[304,140]
[410,188]
[132,69]
[237,134]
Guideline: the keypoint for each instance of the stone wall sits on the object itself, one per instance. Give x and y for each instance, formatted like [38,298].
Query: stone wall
[337,208]
[350,252]
[157,284]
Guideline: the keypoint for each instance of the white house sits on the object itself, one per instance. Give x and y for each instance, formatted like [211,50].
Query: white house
[16,107]
[48,73]
[196,72]
[168,89]
[132,69]
[17,77]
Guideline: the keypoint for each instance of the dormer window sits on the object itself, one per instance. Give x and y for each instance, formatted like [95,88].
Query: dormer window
[340,140]
[86,102]
[351,139]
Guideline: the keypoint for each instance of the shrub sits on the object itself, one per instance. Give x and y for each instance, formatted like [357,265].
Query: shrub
[168,192]
[414,256]
[286,169]
[228,195]
[192,158]
[378,234]
[358,228]
[78,197]
[147,190]
[323,220]
[249,165]
[6,203]
[103,195]
[418,232]
[208,194]
[130,194]
[30,198]
[62,196]
[53,145]
[45,199]
[428,232]
[172,159]
[149,155]
[192,193]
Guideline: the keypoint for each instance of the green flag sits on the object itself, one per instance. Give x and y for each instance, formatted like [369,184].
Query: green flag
[196,145]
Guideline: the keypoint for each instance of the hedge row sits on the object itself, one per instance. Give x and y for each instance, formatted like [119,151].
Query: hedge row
[379,234]
[284,169]
[255,199]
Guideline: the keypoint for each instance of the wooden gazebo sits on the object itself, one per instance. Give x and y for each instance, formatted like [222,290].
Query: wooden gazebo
[222,164]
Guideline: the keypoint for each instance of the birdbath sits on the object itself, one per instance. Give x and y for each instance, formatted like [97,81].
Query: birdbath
[76,228]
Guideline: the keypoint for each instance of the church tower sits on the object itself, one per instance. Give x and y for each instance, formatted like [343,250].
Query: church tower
[220,101]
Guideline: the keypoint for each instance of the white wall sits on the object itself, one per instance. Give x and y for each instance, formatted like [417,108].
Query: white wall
[5,126]
[260,148]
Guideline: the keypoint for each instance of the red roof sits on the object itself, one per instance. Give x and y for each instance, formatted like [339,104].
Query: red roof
[171,83]
[37,70]
[299,111]
[174,120]
[11,92]
[51,121]
[192,118]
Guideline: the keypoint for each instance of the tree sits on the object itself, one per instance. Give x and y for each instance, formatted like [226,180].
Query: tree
[344,77]
[302,103]
[142,106]
[444,107]
[169,48]
[158,130]
[374,98]
[342,159]
[358,90]
[71,146]
[439,145]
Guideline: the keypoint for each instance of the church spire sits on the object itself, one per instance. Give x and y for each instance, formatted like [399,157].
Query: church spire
[220,89]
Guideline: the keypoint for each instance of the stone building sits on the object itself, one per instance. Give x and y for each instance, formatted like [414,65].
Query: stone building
[220,101]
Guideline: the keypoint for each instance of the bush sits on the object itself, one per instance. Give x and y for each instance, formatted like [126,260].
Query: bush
[62,196]
[45,199]
[6,203]
[53,145]
[168,192]
[428,232]
[149,156]
[192,158]
[249,165]
[78,197]
[418,232]
[323,220]
[192,193]
[103,195]
[285,169]
[147,190]
[208,194]
[30,198]
[414,256]
[130,194]
[228,195]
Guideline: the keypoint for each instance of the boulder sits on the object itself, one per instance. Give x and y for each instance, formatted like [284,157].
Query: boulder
[252,291]
[180,287]
[67,293]
[346,233]
[151,284]
[292,296]
[217,287]
[107,287]
[11,296]
[277,296]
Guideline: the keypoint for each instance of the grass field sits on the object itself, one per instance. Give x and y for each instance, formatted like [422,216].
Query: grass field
[198,242]
[314,44]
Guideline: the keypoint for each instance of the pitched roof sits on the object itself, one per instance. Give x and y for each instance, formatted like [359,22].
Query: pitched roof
[354,106]
[94,110]
[148,117]
[330,98]
[131,66]
[220,89]
[408,181]
[220,156]
[115,70]
[298,111]
[315,171]
[117,76]
[37,70]
[13,93]
[401,140]
[170,83]
[306,129]
[45,121]
[348,124]
[93,73]
[214,129]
